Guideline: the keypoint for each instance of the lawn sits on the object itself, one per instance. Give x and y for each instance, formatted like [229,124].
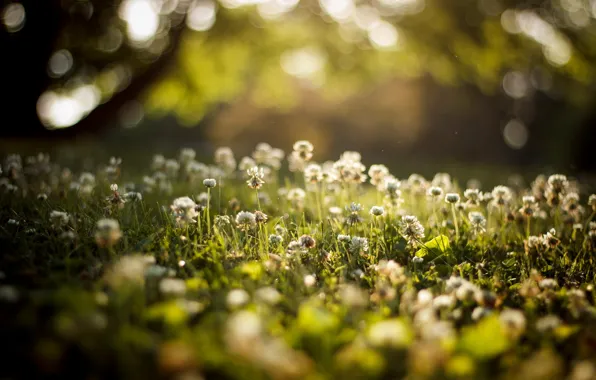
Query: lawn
[272,266]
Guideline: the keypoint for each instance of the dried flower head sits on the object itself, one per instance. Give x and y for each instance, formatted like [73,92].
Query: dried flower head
[307,241]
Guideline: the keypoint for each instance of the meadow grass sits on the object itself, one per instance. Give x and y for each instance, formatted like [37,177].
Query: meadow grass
[245,270]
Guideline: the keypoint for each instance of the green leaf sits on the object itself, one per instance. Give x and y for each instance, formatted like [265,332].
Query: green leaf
[438,245]
[484,340]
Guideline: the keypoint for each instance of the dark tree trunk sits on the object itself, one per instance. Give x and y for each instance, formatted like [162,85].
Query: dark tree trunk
[24,65]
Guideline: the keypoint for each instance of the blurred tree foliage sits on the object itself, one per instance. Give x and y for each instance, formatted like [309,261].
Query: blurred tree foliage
[184,57]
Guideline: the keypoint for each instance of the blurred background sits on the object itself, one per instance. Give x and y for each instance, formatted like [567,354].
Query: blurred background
[419,85]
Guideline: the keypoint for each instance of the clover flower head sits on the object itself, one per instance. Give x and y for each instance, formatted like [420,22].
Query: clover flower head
[435,192]
[107,232]
[256,177]
[245,220]
[209,183]
[411,229]
[477,221]
[275,239]
[377,211]
[344,238]
[451,198]
[358,244]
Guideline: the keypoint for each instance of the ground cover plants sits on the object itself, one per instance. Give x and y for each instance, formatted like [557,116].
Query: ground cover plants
[243,269]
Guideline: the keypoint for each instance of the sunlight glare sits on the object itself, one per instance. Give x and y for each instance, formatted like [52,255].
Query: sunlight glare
[13,17]
[142,19]
[339,10]
[303,63]
[383,35]
[201,16]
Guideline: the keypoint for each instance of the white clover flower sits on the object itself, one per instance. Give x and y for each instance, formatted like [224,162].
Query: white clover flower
[187,155]
[417,183]
[592,201]
[184,210]
[377,211]
[256,177]
[68,235]
[114,187]
[377,174]
[344,238]
[295,247]
[391,185]
[424,298]
[477,221]
[466,292]
[435,192]
[335,211]
[202,199]
[172,287]
[443,301]
[268,295]
[558,183]
[280,230]
[389,333]
[501,195]
[132,196]
[196,170]
[309,280]
[295,163]
[224,158]
[158,162]
[451,198]
[417,260]
[275,239]
[547,283]
[313,173]
[411,229]
[245,220]
[209,183]
[480,312]
[358,244]
[304,149]
[243,328]
[548,323]
[350,169]
[246,163]
[172,167]
[59,219]
[296,197]
[107,232]
[353,296]
[473,196]
[354,207]
[9,294]
[237,298]
[513,322]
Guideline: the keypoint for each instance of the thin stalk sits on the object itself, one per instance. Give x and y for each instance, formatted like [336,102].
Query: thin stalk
[207,214]
[455,221]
